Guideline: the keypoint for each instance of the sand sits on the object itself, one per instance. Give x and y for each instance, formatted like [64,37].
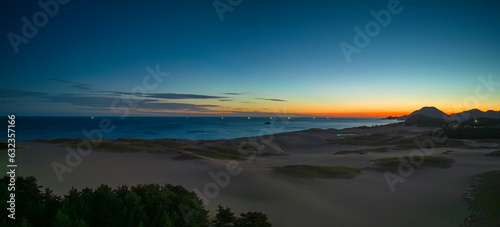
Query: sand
[428,197]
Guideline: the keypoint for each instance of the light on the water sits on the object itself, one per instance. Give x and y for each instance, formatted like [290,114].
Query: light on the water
[92,117]
[222,118]
[248,118]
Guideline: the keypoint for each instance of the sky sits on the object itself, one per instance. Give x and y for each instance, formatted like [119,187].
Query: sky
[248,58]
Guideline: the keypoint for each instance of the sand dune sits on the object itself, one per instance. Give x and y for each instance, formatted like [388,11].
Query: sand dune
[428,197]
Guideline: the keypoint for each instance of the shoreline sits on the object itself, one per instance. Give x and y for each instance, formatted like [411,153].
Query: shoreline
[196,129]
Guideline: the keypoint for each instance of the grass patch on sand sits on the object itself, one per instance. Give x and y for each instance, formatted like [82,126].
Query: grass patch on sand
[375,139]
[249,146]
[272,154]
[163,146]
[60,140]
[311,171]
[4,147]
[392,164]
[362,151]
[398,142]
[493,153]
[219,151]
[412,143]
[126,145]
[224,149]
[483,200]
[188,156]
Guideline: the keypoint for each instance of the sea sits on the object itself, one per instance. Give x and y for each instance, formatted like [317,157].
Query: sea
[192,128]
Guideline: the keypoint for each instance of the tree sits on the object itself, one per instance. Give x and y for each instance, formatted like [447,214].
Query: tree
[224,217]
[141,205]
[252,219]
[61,220]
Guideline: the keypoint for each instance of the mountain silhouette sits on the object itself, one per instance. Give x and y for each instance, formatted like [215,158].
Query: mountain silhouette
[433,112]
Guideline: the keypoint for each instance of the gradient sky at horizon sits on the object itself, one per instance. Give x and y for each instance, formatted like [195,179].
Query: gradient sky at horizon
[264,57]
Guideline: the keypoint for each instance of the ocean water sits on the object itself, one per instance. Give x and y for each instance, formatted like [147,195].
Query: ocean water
[193,128]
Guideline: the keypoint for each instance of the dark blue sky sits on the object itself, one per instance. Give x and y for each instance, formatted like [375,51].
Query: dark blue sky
[282,54]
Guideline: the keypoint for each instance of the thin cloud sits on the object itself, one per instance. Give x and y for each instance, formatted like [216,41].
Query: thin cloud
[225,100]
[237,93]
[175,106]
[11,93]
[182,96]
[274,100]
[102,102]
[169,95]
[77,85]
[107,102]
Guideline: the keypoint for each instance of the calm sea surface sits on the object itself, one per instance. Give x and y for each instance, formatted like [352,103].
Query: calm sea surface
[193,128]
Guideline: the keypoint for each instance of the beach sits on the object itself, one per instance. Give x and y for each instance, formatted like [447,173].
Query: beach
[427,196]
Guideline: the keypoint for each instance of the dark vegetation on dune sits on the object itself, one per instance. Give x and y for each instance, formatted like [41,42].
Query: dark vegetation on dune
[125,145]
[475,128]
[311,171]
[393,142]
[362,151]
[219,151]
[3,148]
[392,164]
[483,200]
[3,145]
[493,153]
[185,150]
[141,205]
[473,133]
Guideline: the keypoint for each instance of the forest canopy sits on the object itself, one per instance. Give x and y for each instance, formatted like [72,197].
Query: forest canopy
[140,205]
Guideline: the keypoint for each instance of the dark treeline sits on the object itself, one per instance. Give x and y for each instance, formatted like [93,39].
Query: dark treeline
[141,205]
[479,128]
